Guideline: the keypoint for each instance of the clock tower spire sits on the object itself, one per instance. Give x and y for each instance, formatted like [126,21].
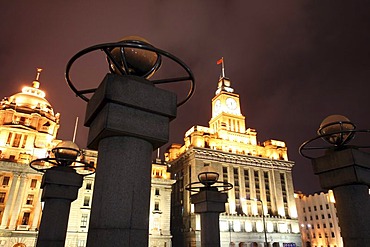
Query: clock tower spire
[226,113]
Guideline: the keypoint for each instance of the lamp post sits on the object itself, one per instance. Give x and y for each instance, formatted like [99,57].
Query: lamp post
[128,117]
[63,176]
[263,218]
[345,169]
[209,202]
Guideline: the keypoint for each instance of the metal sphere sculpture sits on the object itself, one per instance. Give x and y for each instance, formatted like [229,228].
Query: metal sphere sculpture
[133,56]
[336,130]
[65,155]
[208,180]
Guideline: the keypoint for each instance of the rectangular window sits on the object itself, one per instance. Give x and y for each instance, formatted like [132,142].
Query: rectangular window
[332,235]
[24,141]
[309,209]
[322,216]
[329,216]
[156,206]
[9,138]
[331,225]
[314,208]
[156,191]
[318,226]
[6,181]
[81,243]
[327,206]
[88,185]
[316,217]
[25,218]
[17,140]
[321,207]
[84,219]
[304,210]
[33,183]
[86,201]
[29,200]
[2,197]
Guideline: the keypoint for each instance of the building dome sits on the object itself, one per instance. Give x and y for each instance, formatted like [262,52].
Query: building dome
[30,100]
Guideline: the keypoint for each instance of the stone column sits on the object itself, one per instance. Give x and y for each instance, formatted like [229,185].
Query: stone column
[9,202]
[128,118]
[209,204]
[347,173]
[60,187]
[18,202]
[36,212]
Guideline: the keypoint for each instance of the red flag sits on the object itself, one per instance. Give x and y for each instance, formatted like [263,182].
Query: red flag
[220,61]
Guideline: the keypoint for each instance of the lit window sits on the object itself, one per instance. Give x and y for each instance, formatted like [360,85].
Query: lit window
[2,197]
[33,183]
[6,181]
[26,218]
[86,201]
[84,219]
[81,243]
[88,185]
[29,200]
[16,140]
[156,206]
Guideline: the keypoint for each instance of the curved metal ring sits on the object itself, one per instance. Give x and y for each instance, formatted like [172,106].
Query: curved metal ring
[107,47]
[224,185]
[55,163]
[304,147]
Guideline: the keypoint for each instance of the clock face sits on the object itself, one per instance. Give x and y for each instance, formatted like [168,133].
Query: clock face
[231,103]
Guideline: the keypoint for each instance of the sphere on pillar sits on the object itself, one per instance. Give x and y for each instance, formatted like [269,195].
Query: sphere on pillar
[134,61]
[336,130]
[66,152]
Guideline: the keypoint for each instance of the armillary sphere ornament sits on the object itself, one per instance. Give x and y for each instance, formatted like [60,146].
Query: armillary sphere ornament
[335,130]
[208,180]
[133,56]
[66,154]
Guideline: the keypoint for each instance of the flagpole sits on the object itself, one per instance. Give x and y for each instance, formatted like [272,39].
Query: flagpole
[223,67]
[75,130]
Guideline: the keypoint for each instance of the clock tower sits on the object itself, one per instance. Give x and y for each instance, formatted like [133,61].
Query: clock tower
[226,113]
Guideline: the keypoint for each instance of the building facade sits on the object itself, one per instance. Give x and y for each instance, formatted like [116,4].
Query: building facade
[318,220]
[260,173]
[28,131]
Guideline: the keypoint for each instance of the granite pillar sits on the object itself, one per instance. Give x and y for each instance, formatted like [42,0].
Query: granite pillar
[128,118]
[60,187]
[209,204]
[347,173]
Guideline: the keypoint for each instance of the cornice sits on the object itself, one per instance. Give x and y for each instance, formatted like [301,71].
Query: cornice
[232,158]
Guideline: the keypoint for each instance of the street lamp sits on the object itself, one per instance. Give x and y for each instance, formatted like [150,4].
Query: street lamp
[345,169]
[128,117]
[209,202]
[63,176]
[263,218]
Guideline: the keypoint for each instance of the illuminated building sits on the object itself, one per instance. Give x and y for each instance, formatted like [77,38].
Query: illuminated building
[261,175]
[28,130]
[318,220]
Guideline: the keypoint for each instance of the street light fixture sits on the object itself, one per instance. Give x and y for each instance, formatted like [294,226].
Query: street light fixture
[263,217]
[344,169]
[128,117]
[209,202]
[63,176]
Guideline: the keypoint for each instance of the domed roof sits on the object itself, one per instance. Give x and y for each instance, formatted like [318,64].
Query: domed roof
[31,99]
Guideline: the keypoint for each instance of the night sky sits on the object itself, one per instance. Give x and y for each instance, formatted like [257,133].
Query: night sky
[292,62]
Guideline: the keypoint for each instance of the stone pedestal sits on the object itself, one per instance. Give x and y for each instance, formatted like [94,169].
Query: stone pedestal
[128,118]
[60,187]
[209,204]
[347,173]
